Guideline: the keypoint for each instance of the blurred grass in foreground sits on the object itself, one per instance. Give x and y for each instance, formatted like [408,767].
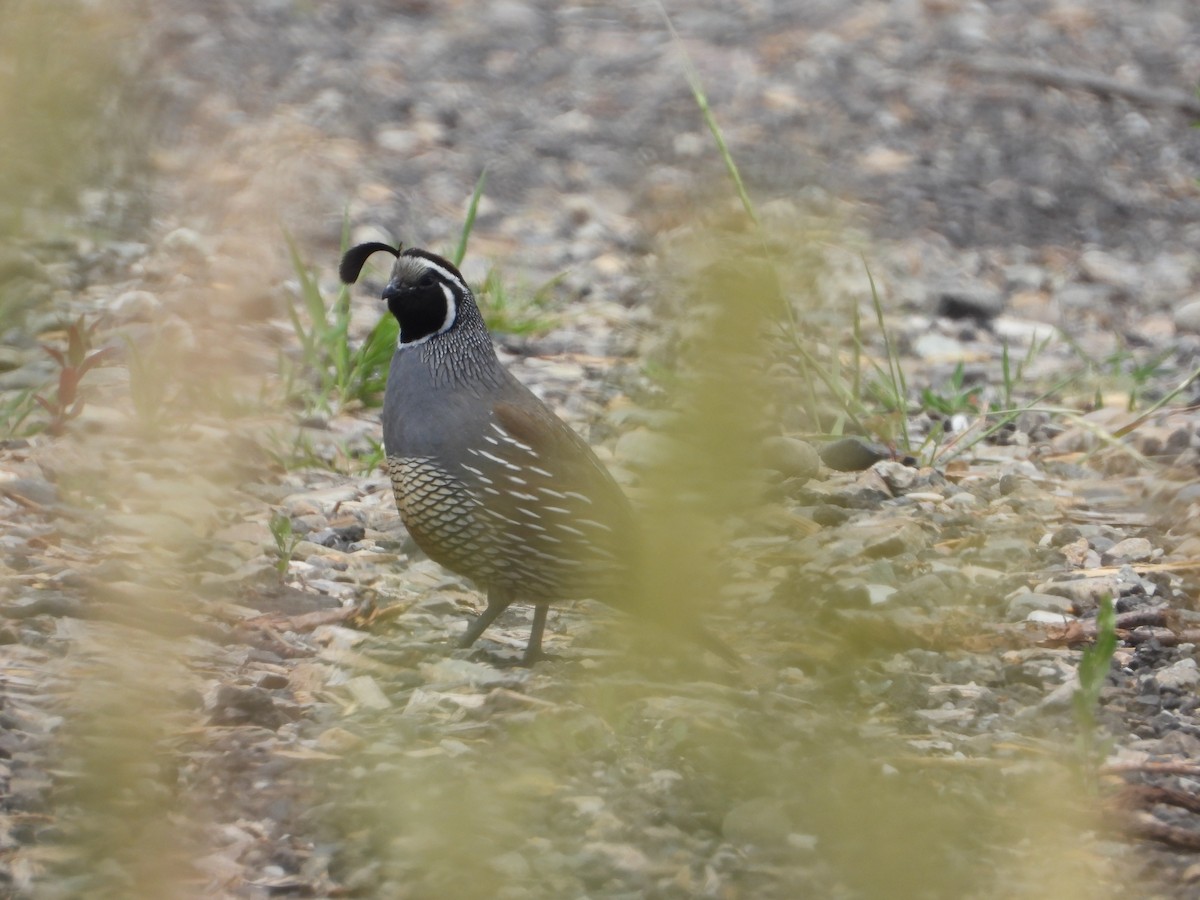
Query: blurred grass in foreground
[799,777]
[65,121]
[73,123]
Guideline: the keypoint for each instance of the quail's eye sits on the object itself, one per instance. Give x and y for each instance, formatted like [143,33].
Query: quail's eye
[426,280]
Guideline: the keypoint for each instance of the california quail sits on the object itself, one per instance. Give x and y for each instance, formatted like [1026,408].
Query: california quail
[489,482]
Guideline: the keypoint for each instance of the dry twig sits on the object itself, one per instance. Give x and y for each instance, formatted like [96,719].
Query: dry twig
[1080,80]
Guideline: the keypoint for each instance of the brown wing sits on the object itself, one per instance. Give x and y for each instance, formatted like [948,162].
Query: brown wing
[561,526]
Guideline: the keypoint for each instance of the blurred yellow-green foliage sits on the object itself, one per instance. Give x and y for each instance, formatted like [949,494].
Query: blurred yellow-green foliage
[554,793]
[65,119]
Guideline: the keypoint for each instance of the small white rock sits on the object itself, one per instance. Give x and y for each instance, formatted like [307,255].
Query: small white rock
[135,306]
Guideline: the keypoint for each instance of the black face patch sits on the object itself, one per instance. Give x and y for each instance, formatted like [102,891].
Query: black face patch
[421,309]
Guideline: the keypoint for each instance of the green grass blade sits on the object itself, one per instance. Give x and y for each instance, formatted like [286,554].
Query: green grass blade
[1159,404]
[461,250]
[898,383]
[693,79]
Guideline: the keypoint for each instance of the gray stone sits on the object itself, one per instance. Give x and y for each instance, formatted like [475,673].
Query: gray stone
[897,476]
[1187,316]
[1130,550]
[135,306]
[935,347]
[1022,605]
[852,454]
[1102,267]
[1179,676]
[36,490]
[791,457]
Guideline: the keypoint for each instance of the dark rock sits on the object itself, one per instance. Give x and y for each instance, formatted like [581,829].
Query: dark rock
[247,706]
[852,454]
[980,303]
[829,515]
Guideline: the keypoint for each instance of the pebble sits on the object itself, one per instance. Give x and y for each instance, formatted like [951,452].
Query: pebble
[1105,268]
[1130,550]
[896,475]
[1180,676]
[791,457]
[135,306]
[1028,603]
[1187,316]
[1084,593]
[852,454]
[36,490]
[976,302]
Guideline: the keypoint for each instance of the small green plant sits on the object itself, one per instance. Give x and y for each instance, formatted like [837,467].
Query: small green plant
[76,361]
[505,314]
[286,541]
[323,332]
[14,411]
[371,461]
[1014,374]
[1094,666]
[957,397]
[1140,373]
[297,452]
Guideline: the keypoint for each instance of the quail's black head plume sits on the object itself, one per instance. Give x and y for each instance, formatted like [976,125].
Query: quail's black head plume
[356,257]
[491,483]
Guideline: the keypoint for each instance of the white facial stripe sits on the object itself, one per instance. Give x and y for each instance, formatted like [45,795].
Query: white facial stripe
[451,304]
[444,272]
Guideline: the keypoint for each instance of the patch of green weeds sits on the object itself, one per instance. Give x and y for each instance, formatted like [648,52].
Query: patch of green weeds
[15,411]
[323,331]
[955,397]
[524,314]
[286,541]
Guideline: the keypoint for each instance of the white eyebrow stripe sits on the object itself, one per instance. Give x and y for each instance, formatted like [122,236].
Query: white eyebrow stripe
[444,272]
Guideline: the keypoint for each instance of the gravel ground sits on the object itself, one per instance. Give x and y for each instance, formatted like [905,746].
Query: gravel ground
[185,715]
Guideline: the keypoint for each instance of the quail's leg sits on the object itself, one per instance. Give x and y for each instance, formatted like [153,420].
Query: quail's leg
[533,650]
[498,601]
